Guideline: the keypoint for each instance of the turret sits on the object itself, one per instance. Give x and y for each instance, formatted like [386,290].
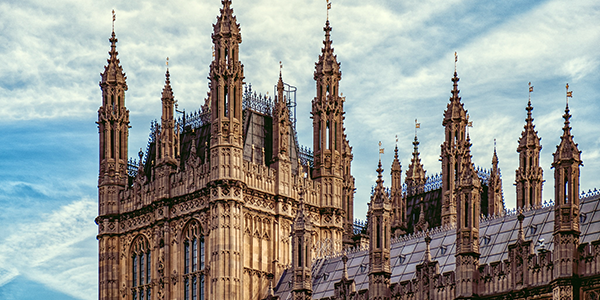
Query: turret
[567,160]
[415,175]
[398,202]
[332,152]
[468,203]
[379,228]
[529,176]
[113,129]
[455,123]
[226,160]
[281,141]
[226,79]
[302,231]
[167,140]
[495,197]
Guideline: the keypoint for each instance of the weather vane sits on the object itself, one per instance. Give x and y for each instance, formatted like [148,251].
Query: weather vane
[380,150]
[469,124]
[113,21]
[455,60]
[280,67]
[417,125]
[328,8]
[530,90]
[569,94]
[167,62]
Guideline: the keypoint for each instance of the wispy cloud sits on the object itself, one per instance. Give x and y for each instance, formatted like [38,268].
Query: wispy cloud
[58,250]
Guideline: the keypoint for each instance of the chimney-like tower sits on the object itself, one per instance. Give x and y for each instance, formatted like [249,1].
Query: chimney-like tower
[529,176]
[113,128]
[379,216]
[567,160]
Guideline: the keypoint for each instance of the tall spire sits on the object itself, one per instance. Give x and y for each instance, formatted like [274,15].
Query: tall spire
[398,203]
[566,164]
[455,149]
[529,175]
[379,228]
[113,72]
[415,175]
[167,139]
[495,193]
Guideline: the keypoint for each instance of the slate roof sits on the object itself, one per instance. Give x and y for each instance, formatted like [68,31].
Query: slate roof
[495,233]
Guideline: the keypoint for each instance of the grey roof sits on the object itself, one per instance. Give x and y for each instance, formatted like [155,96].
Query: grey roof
[496,233]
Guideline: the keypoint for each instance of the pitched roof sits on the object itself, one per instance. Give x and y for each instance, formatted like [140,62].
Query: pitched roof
[407,252]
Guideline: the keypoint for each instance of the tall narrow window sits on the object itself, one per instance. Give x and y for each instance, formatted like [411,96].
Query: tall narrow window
[235,110]
[112,143]
[299,251]
[226,99]
[466,212]
[141,268]
[335,138]
[327,136]
[378,234]
[566,189]
[193,262]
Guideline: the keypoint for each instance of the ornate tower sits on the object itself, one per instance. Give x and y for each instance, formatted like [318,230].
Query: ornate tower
[398,202]
[302,255]
[415,175]
[468,203]
[567,160]
[379,216]
[167,149]
[281,141]
[226,155]
[529,176]
[330,144]
[495,202]
[113,127]
[453,149]
[167,142]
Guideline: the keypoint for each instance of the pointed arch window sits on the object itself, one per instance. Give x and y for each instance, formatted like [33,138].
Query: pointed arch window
[141,269]
[193,264]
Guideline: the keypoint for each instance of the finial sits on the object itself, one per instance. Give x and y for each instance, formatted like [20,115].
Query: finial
[328,8]
[396,148]
[494,145]
[455,60]
[521,217]
[167,62]
[530,91]
[380,152]
[114,15]
[280,67]
[345,270]
[427,248]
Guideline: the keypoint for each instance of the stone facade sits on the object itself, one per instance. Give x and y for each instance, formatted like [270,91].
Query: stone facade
[224,204]
[208,211]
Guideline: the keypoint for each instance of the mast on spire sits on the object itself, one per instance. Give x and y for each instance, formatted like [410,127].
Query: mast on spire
[114,16]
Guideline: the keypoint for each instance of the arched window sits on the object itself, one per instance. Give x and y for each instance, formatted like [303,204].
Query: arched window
[193,269]
[141,269]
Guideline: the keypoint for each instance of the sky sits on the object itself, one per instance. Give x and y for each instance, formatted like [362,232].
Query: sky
[397,59]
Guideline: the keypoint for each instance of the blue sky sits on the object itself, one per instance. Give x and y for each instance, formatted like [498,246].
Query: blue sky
[397,60]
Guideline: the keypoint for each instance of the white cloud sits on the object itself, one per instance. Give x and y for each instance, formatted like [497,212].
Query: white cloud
[58,250]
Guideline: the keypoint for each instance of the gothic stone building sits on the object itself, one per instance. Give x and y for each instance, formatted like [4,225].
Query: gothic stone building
[224,204]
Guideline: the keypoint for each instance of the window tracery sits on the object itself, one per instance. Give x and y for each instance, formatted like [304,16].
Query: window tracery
[141,270]
[193,262]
